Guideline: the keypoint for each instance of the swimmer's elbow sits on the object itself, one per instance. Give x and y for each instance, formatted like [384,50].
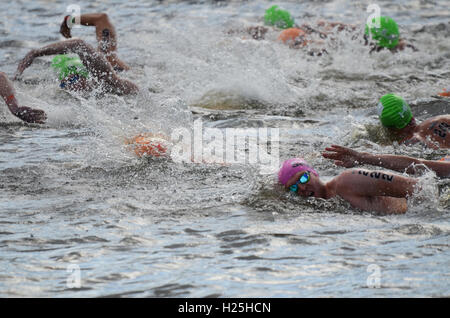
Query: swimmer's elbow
[134,90]
[127,88]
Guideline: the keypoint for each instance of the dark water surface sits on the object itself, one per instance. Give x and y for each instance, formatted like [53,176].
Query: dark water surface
[76,203]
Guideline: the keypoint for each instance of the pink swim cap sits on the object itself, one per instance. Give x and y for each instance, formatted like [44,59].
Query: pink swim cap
[291,166]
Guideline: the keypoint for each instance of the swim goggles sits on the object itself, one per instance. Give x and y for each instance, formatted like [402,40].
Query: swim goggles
[304,178]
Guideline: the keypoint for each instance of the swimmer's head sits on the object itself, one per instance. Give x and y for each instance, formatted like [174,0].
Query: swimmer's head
[278,17]
[297,176]
[384,30]
[67,66]
[394,112]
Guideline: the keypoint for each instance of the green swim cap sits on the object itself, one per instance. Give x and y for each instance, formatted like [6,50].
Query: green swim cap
[393,111]
[387,35]
[279,18]
[66,66]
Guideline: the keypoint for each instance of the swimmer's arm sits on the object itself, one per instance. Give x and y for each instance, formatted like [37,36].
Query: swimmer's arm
[62,47]
[117,63]
[95,19]
[367,183]
[24,63]
[25,113]
[94,62]
[129,141]
[348,158]
[341,26]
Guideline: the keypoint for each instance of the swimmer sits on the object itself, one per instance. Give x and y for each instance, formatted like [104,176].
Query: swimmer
[104,31]
[378,191]
[349,158]
[301,36]
[25,113]
[95,64]
[278,17]
[383,31]
[395,114]
[387,36]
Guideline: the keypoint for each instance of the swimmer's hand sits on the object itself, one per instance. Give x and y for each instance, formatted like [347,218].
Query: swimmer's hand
[65,30]
[342,156]
[26,61]
[30,115]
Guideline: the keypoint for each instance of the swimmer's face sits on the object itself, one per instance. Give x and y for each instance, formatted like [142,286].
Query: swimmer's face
[309,189]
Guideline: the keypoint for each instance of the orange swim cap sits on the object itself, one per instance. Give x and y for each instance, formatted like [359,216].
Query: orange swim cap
[445,93]
[145,146]
[291,34]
